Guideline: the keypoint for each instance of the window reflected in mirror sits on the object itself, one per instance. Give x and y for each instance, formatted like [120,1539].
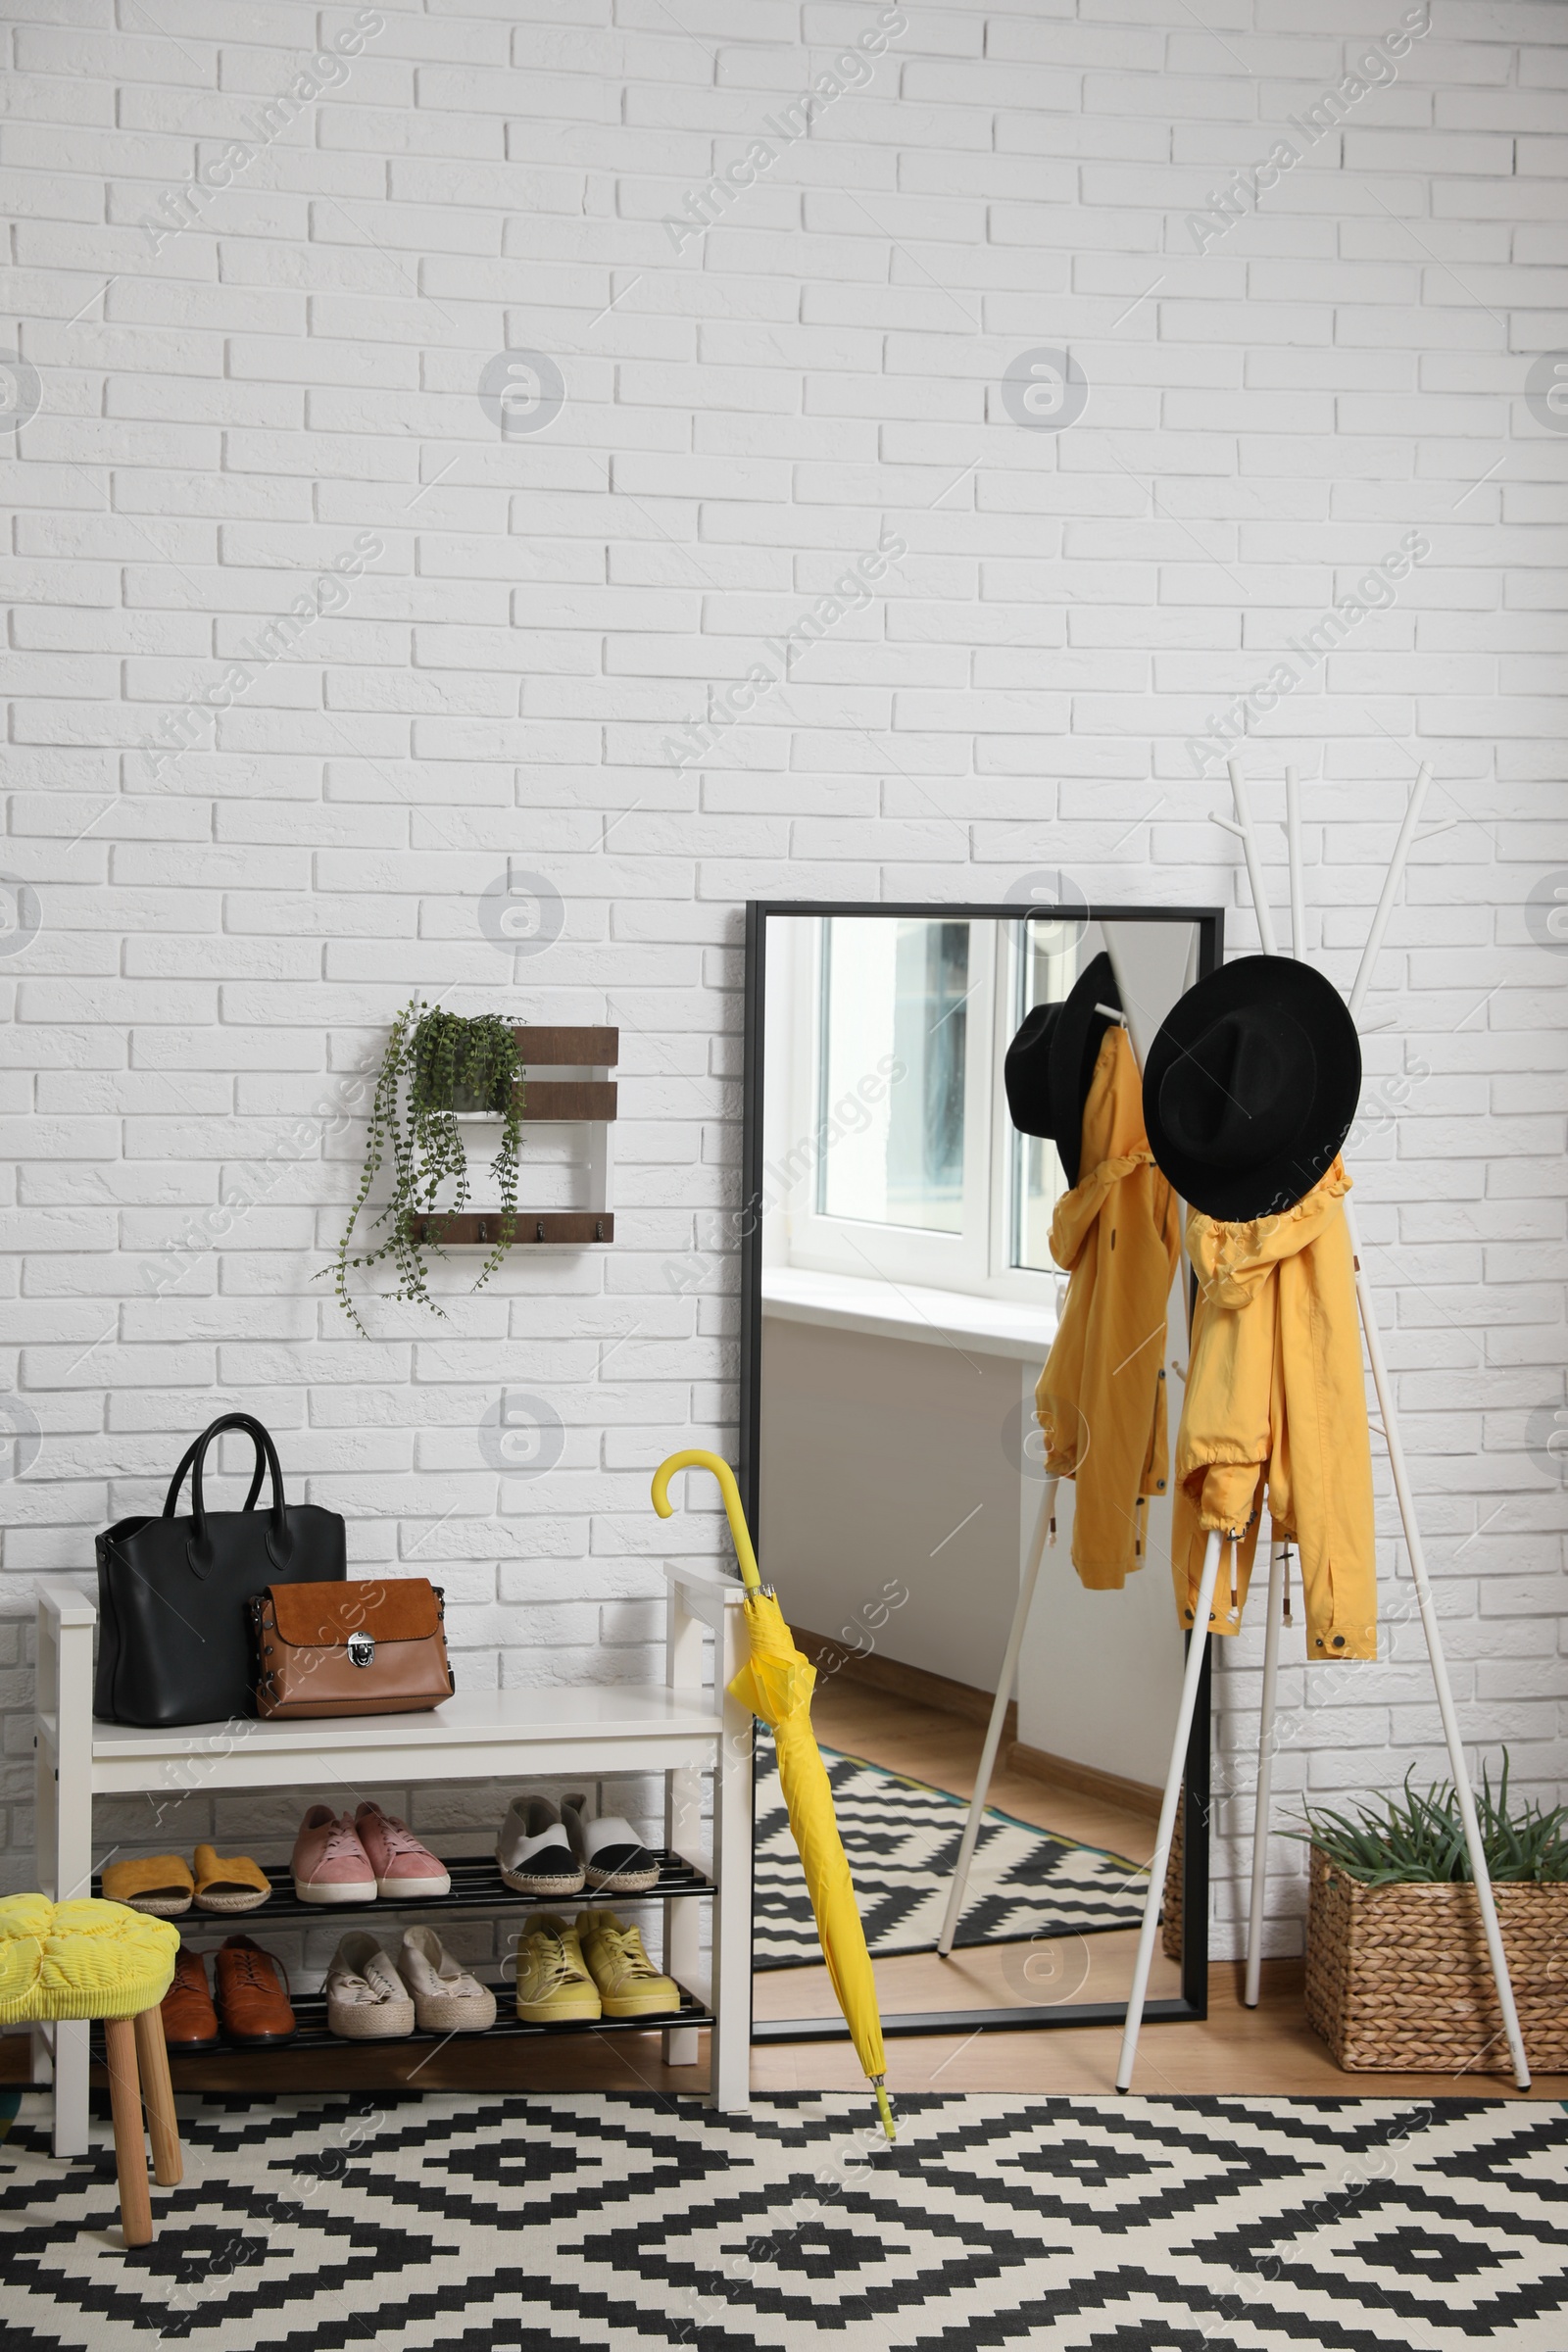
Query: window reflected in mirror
[893,997]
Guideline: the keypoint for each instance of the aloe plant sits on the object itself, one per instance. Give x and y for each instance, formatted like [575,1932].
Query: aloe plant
[435,1064]
[1419,1838]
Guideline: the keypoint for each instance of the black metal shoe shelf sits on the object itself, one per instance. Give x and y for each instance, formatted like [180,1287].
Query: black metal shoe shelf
[315,2034]
[478,1888]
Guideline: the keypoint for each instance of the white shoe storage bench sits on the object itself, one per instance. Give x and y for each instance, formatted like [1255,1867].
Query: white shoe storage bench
[684,1727]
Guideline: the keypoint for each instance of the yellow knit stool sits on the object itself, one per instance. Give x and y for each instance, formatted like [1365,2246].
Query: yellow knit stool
[103,1960]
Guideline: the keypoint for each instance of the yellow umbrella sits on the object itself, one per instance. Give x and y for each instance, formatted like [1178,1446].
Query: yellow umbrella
[777,1687]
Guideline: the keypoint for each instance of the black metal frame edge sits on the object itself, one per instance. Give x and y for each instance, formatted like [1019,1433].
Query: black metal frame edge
[981,2020]
[1193,2002]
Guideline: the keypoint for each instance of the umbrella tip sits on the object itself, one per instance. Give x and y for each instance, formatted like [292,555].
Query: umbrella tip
[884,2110]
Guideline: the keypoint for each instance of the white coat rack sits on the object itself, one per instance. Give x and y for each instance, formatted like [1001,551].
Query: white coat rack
[1242,827]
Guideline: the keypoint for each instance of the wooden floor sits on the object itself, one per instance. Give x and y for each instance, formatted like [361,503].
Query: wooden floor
[1234,2050]
[943,1749]
[1268,2049]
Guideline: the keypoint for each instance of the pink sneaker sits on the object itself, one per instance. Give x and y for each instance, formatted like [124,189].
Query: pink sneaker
[330,1864]
[403,1867]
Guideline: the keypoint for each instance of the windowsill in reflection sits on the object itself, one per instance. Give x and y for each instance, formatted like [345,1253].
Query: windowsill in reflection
[903,1311]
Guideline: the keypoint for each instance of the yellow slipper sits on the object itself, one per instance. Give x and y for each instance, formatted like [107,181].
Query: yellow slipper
[234,1884]
[160,1884]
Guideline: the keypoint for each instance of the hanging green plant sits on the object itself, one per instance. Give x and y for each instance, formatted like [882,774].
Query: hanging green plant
[436,1064]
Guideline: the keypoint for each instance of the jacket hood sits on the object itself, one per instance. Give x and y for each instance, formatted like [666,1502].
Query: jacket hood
[1232,1262]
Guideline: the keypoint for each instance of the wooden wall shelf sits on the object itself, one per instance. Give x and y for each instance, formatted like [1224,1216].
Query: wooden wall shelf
[593,1102]
[546,1047]
[556,1099]
[479,1230]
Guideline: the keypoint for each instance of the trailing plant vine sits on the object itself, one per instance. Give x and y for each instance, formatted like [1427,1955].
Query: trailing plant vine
[435,1064]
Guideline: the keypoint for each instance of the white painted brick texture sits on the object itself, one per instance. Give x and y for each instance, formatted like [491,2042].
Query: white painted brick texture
[248,369]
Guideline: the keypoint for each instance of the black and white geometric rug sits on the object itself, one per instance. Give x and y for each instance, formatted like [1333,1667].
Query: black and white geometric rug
[600,2225]
[902,1840]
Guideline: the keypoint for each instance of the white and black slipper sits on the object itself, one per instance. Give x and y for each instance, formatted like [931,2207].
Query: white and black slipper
[533,1852]
[611,1855]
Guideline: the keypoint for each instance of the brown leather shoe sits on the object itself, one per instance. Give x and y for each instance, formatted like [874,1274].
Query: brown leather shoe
[190,2022]
[253,1994]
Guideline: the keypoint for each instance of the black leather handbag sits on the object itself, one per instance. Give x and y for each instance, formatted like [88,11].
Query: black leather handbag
[173,1593]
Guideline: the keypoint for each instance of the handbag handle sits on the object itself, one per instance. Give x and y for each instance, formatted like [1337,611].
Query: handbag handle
[199,1543]
[178,1479]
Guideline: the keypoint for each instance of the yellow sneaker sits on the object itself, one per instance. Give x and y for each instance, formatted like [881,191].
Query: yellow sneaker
[554,1987]
[629,1984]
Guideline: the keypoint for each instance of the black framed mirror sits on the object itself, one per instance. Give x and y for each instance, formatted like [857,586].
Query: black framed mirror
[898,1301]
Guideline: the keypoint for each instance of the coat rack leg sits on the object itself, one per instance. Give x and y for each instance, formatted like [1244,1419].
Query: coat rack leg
[1255,872]
[1479,1872]
[999,1713]
[1292,850]
[1196,1642]
[1265,1771]
[1391,883]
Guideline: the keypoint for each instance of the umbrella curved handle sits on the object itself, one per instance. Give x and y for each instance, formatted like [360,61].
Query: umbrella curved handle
[696,1457]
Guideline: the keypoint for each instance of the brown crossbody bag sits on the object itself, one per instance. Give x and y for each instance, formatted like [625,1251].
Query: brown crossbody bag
[365,1649]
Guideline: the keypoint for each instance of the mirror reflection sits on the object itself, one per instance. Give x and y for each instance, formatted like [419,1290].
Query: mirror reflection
[910,1299]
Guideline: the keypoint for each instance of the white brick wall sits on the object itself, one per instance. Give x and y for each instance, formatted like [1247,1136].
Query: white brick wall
[228,407]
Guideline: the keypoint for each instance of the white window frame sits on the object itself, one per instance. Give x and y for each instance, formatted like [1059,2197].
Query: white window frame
[975,1260]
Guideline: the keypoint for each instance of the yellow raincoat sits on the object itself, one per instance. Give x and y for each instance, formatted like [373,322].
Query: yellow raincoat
[1276,1398]
[1100,1400]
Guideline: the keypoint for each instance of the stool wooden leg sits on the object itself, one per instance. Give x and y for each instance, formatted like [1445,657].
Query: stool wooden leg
[131,2155]
[162,2125]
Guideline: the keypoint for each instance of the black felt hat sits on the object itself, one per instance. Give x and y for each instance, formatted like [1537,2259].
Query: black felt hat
[1250,1087]
[1052,1061]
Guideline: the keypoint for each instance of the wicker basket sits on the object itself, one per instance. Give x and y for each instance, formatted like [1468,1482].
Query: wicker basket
[1170,1911]
[1398,1980]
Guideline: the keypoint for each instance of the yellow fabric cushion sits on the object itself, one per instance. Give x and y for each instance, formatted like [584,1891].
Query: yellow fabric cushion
[146,1874]
[80,1959]
[228,1870]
